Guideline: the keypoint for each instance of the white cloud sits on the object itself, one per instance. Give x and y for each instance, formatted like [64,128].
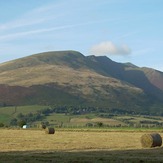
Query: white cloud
[109,48]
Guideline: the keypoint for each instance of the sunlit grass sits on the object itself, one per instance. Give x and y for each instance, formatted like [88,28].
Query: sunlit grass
[34,146]
[27,140]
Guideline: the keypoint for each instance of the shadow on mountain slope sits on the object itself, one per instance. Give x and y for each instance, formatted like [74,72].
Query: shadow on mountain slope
[130,74]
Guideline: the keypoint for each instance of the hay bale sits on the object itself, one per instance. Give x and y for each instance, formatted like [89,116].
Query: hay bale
[151,140]
[50,130]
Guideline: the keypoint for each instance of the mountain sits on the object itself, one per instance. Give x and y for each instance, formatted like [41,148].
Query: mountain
[149,80]
[70,78]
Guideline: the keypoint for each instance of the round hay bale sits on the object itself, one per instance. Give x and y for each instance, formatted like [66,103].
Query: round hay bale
[151,140]
[50,130]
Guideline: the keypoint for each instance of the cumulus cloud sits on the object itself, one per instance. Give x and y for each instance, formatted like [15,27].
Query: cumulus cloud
[109,48]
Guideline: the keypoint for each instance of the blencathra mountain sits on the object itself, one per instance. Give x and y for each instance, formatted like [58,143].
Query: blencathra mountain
[70,78]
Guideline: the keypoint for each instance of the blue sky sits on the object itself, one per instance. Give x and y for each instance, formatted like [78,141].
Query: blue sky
[123,30]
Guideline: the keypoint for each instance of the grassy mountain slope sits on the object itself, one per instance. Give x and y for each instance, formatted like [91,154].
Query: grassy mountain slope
[68,77]
[154,76]
[149,80]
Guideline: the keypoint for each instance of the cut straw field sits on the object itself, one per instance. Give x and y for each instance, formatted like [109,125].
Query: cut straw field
[68,146]
[27,140]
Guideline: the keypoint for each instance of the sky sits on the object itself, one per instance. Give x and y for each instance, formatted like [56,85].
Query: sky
[123,30]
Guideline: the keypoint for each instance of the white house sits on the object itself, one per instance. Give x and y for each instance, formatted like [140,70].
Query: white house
[25,126]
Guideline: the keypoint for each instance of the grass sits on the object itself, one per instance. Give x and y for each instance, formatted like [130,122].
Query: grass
[118,120]
[110,129]
[4,118]
[80,77]
[34,146]
[58,118]
[137,118]
[101,156]
[80,120]
[68,120]
[27,109]
[27,140]
[21,109]
[8,113]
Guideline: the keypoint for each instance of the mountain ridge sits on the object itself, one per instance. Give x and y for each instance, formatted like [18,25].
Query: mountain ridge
[83,80]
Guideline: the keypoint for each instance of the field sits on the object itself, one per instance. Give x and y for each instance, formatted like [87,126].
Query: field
[34,146]
[72,120]
[118,140]
[7,113]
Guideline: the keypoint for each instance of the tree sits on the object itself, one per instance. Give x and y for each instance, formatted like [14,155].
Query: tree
[89,124]
[13,122]
[46,123]
[1,125]
[21,123]
[100,124]
[20,116]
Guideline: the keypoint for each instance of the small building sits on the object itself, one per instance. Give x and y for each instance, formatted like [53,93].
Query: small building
[25,126]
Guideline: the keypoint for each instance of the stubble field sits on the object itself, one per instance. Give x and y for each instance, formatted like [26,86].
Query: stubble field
[69,146]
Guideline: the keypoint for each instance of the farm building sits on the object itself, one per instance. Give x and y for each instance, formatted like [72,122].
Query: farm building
[25,126]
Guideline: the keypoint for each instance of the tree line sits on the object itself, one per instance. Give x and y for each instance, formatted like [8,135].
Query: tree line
[22,118]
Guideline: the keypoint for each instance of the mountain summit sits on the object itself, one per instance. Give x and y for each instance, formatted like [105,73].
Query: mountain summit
[70,78]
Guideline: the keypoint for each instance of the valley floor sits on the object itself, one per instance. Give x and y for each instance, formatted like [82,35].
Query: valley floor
[34,146]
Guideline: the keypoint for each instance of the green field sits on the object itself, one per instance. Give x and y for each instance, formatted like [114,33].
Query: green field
[7,113]
[65,120]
